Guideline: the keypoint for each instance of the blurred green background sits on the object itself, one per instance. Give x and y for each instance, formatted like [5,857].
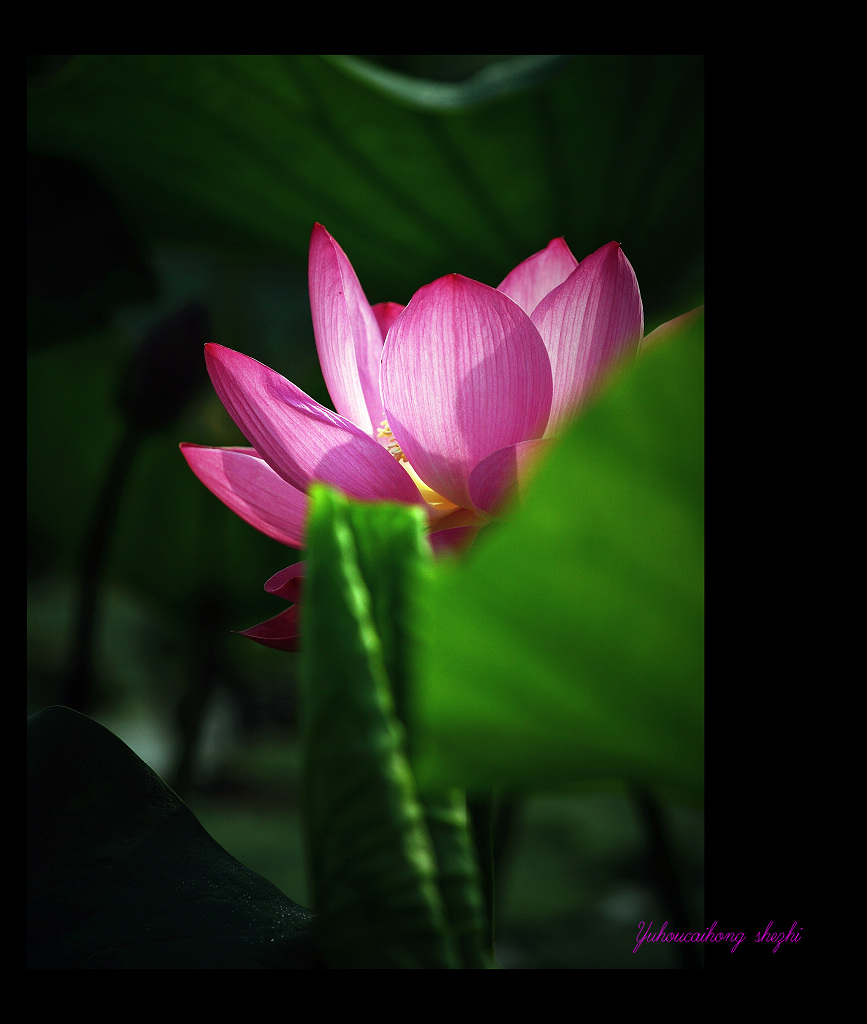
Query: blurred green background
[157,181]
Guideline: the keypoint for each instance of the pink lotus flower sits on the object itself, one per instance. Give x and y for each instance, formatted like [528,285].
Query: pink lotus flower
[443,403]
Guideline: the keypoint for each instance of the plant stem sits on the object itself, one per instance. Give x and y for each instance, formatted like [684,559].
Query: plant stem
[79,687]
[482,815]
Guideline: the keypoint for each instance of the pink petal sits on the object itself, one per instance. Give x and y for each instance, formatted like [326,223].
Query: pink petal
[250,488]
[386,313]
[499,478]
[464,372]
[453,540]
[591,321]
[301,439]
[282,633]
[348,336]
[287,582]
[539,274]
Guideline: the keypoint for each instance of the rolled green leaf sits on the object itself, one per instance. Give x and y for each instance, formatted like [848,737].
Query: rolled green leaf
[396,563]
[458,877]
[372,866]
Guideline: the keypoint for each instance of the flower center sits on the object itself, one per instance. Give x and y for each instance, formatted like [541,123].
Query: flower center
[391,444]
[437,502]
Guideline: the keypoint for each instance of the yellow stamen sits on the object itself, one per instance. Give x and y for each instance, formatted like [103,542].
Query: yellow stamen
[440,504]
[392,446]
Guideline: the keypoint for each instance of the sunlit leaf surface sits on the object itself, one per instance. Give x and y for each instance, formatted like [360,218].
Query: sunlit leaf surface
[568,645]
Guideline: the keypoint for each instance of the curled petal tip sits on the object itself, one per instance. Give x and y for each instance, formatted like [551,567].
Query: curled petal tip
[288,582]
[280,633]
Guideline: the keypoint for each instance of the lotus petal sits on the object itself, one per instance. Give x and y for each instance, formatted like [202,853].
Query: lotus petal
[539,274]
[282,633]
[464,372]
[347,332]
[287,582]
[589,323]
[250,488]
[301,439]
[498,479]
